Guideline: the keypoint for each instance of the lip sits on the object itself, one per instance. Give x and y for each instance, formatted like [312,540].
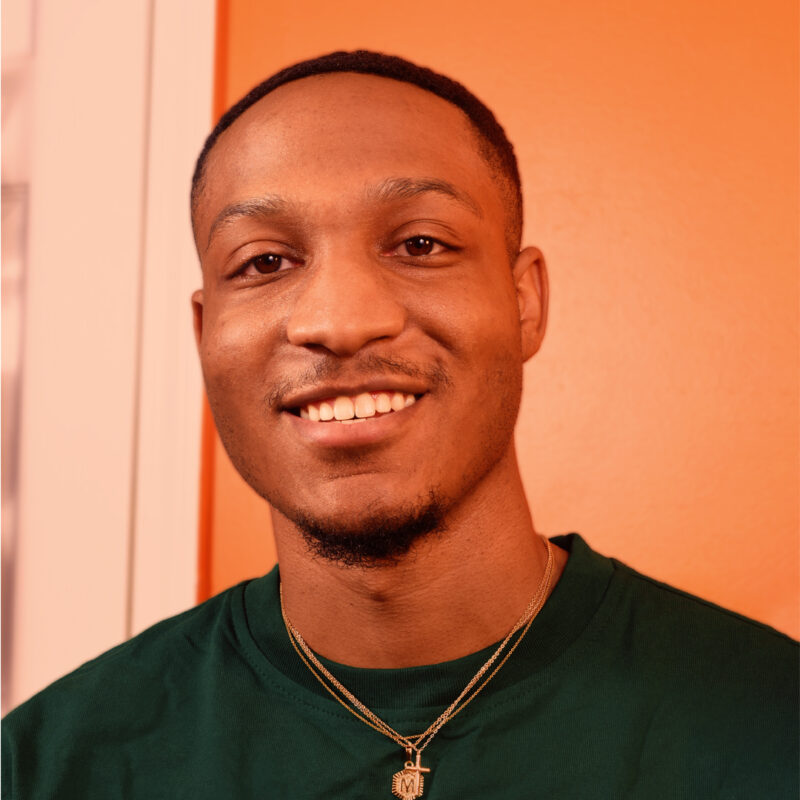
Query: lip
[373,430]
[329,391]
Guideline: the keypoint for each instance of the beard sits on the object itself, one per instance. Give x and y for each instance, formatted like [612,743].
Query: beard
[377,540]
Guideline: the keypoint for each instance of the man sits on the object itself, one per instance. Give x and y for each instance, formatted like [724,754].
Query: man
[365,314]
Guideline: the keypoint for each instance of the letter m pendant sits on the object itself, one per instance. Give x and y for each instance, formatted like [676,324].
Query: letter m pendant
[408,783]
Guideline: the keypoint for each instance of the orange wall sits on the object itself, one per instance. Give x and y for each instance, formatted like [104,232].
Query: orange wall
[658,148]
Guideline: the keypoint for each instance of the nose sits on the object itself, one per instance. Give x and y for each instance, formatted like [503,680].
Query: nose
[345,303]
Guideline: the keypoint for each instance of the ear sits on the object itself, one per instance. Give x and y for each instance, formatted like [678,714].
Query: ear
[197,314]
[530,280]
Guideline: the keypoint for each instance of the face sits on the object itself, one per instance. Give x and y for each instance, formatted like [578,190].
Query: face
[355,265]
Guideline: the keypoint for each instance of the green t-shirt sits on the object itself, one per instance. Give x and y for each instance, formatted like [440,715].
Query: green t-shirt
[622,688]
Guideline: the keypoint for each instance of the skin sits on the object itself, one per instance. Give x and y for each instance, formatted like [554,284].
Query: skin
[352,306]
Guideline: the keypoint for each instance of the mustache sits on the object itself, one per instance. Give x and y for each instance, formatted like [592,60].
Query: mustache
[355,369]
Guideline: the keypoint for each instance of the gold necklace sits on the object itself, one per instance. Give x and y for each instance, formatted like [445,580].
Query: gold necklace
[408,783]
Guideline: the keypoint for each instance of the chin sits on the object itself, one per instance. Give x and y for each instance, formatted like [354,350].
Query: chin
[371,536]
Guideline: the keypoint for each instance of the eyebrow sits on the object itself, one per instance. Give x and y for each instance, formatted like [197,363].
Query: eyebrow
[387,191]
[407,188]
[257,207]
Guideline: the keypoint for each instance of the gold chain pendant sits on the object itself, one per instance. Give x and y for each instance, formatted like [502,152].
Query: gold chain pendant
[407,784]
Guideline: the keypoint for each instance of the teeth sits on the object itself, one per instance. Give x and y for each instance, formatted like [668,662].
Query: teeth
[383,403]
[343,408]
[357,409]
[365,406]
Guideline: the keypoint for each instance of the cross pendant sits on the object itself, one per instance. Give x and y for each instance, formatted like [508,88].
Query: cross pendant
[407,784]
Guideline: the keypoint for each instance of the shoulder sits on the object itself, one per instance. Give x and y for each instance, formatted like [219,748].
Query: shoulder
[643,616]
[129,682]
[700,690]
[726,681]
[668,640]
[681,625]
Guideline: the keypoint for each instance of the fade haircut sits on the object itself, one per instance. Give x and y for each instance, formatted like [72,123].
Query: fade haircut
[493,144]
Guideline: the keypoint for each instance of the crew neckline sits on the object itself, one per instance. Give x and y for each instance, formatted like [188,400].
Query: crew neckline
[265,644]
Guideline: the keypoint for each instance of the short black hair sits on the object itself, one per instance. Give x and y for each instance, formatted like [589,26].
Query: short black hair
[494,145]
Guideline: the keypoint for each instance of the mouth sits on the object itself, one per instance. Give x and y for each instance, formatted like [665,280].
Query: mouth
[353,409]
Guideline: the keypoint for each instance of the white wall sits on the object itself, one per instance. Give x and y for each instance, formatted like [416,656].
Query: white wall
[104,540]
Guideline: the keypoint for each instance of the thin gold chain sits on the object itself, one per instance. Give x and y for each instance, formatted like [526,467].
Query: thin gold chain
[400,740]
[420,741]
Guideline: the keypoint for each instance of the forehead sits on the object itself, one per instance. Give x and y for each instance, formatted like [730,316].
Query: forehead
[328,134]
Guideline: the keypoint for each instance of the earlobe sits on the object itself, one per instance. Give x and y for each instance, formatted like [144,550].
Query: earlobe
[530,279]
[197,315]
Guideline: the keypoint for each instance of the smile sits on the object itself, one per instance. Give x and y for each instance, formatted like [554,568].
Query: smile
[356,408]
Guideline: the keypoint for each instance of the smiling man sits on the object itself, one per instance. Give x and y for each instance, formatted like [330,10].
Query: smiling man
[365,315]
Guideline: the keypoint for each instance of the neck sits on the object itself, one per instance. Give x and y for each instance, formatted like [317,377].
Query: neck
[451,595]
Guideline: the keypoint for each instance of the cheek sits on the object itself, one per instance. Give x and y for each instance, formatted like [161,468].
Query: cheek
[235,347]
[235,353]
[235,360]
[478,321]
[491,357]
[483,359]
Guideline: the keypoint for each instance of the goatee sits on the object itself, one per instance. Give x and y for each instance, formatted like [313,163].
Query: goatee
[379,539]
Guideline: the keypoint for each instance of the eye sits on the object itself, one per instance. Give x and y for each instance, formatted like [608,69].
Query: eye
[263,264]
[421,246]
